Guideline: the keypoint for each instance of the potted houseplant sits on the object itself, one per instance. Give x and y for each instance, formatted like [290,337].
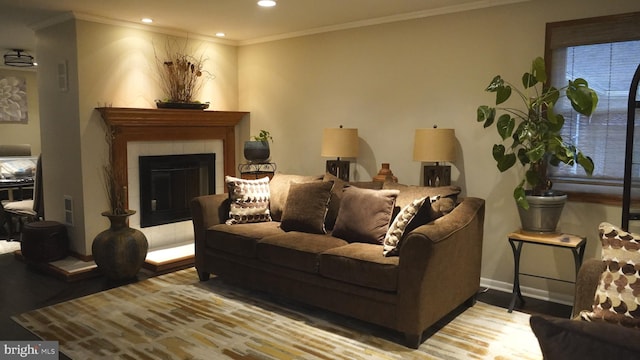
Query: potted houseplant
[536,143]
[182,75]
[257,150]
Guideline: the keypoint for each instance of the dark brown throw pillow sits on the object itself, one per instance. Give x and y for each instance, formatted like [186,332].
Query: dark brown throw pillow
[364,214]
[306,207]
[279,189]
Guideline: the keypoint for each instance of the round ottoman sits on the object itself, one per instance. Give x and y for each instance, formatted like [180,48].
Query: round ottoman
[44,241]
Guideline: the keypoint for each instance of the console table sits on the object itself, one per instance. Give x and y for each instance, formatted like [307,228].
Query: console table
[574,243]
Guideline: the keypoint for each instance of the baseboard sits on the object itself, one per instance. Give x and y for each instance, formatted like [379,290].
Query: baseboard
[527,291]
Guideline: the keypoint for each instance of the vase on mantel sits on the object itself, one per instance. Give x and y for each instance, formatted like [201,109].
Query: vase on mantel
[120,250]
[385,174]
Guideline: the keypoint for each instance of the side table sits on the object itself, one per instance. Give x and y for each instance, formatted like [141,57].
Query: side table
[574,243]
[252,171]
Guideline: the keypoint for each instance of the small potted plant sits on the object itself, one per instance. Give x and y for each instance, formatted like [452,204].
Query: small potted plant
[257,150]
[534,131]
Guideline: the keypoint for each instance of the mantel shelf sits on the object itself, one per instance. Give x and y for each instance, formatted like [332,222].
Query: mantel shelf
[169,117]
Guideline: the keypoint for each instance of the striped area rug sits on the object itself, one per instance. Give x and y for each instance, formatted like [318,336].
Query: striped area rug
[175,316]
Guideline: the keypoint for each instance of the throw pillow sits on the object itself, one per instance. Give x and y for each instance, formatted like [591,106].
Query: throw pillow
[249,200]
[334,202]
[364,214]
[279,187]
[306,207]
[617,296]
[397,229]
[410,192]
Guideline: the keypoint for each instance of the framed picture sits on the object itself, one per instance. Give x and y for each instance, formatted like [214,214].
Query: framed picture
[13,100]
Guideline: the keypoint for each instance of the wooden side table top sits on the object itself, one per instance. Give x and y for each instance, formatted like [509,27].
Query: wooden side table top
[557,239]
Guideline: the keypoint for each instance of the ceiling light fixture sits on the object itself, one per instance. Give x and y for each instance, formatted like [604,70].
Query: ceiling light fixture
[146,20]
[17,57]
[220,34]
[267,3]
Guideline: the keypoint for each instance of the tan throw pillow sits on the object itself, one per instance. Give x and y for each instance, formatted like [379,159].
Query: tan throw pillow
[306,207]
[364,214]
[249,200]
[279,187]
[399,225]
[618,292]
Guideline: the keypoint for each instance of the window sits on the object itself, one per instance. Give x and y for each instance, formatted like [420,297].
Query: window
[606,52]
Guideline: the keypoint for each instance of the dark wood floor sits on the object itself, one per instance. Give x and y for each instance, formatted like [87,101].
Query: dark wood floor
[24,287]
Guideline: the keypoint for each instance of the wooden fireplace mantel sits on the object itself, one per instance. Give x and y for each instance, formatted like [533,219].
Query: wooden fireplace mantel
[133,124]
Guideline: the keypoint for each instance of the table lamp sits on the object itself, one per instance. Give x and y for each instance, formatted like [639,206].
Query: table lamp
[435,145]
[340,142]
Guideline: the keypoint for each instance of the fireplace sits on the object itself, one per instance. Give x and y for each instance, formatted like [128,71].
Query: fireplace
[169,182]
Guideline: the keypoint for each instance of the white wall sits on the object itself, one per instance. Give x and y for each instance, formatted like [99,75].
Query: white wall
[387,80]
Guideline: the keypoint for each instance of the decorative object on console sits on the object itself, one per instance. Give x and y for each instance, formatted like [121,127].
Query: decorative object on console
[534,131]
[435,145]
[385,174]
[257,150]
[18,58]
[340,142]
[181,77]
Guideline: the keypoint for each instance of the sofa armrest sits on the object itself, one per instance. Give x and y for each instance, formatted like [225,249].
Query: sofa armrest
[206,211]
[440,265]
[586,283]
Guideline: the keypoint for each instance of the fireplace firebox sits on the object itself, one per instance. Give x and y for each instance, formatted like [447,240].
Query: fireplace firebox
[169,182]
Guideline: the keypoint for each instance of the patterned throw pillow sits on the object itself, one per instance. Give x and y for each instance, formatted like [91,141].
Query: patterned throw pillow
[399,224]
[249,200]
[618,294]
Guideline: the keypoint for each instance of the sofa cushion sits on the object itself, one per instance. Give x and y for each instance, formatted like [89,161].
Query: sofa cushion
[361,264]
[617,296]
[306,207]
[240,239]
[574,339]
[364,214]
[401,221]
[249,200]
[279,189]
[296,250]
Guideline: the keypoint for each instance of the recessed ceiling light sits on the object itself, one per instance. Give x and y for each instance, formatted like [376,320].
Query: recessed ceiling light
[267,3]
[220,34]
[146,20]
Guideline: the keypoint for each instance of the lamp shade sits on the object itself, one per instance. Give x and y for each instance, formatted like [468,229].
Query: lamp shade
[434,145]
[339,142]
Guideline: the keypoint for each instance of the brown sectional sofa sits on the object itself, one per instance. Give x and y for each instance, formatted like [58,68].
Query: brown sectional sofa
[437,269]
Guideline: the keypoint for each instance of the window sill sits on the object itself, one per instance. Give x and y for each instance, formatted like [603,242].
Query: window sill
[597,194]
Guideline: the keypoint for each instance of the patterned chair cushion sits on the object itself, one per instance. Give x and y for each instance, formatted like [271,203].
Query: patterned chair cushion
[617,296]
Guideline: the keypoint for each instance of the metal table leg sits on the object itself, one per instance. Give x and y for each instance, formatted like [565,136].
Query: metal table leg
[517,249]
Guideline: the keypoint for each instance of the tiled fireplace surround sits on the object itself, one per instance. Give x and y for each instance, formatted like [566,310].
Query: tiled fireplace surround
[139,132]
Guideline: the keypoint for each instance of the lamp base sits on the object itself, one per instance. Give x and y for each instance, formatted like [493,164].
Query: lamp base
[339,168]
[437,175]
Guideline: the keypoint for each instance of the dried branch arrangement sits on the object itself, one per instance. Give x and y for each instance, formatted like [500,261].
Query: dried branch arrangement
[181,74]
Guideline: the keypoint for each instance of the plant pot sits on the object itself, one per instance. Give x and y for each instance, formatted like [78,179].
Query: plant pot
[543,214]
[120,250]
[257,151]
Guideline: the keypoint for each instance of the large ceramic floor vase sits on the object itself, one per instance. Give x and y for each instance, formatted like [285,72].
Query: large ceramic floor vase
[120,250]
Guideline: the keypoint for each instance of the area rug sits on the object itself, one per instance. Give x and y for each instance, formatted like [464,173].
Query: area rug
[175,316]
